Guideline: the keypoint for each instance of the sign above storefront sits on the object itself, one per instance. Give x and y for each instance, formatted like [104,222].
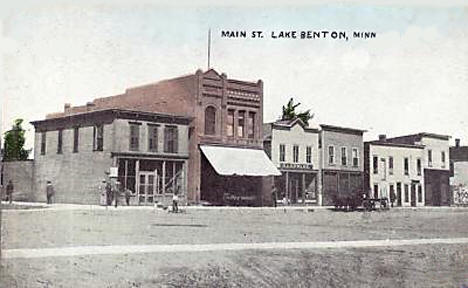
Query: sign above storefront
[296,166]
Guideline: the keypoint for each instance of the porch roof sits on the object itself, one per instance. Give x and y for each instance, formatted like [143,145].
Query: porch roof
[230,161]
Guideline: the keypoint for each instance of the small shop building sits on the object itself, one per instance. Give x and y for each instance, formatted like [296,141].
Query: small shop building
[76,152]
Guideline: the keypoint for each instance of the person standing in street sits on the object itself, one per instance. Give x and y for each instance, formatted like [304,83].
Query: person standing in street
[9,191]
[274,197]
[175,203]
[50,192]
[116,192]
[128,194]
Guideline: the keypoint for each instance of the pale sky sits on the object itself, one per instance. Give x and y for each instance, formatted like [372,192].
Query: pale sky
[412,77]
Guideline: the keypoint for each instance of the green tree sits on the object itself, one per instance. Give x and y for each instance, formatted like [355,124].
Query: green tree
[289,112]
[14,143]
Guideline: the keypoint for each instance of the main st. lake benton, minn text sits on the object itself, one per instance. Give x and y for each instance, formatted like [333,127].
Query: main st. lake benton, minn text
[293,34]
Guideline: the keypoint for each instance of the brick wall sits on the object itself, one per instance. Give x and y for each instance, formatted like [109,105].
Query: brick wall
[21,175]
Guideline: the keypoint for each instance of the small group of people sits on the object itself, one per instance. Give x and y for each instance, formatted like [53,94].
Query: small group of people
[112,190]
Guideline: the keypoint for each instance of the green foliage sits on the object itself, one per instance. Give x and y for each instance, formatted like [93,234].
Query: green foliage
[14,143]
[289,112]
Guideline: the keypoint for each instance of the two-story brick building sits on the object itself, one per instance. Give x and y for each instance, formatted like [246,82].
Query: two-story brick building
[341,153]
[436,165]
[293,148]
[151,151]
[395,168]
[227,125]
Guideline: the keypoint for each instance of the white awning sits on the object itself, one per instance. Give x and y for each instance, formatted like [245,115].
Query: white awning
[230,161]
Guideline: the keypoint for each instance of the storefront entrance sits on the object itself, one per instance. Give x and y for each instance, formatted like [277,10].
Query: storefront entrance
[147,187]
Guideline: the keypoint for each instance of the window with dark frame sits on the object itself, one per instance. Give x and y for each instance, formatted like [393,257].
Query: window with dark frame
[375,164]
[344,156]
[210,120]
[355,157]
[59,141]
[390,165]
[76,139]
[282,152]
[153,138]
[406,166]
[98,137]
[418,166]
[376,191]
[230,123]
[295,153]
[240,124]
[251,125]
[442,158]
[43,143]
[134,137]
[429,157]
[170,139]
[331,155]
[309,154]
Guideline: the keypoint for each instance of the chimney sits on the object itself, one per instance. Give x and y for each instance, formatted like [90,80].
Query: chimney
[382,137]
[457,142]
[66,107]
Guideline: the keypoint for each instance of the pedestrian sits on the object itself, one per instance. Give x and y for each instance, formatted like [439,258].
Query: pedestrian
[116,193]
[128,194]
[9,191]
[103,193]
[108,193]
[285,202]
[273,195]
[175,203]
[50,192]
[392,197]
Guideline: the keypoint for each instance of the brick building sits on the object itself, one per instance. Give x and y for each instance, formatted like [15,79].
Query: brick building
[395,168]
[341,161]
[151,151]
[435,164]
[293,148]
[227,124]
[459,173]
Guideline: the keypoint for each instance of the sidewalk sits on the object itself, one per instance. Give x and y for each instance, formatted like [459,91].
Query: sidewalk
[41,206]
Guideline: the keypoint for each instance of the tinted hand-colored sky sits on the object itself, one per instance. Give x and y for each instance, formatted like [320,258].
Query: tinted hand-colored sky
[412,77]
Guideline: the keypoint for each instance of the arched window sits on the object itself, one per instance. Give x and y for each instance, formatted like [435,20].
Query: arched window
[210,120]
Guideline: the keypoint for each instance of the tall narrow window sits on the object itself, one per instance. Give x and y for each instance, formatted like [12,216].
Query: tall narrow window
[442,158]
[43,143]
[331,155]
[406,166]
[295,153]
[355,157]
[344,156]
[376,191]
[418,166]
[251,125]
[240,124]
[170,139]
[134,137]
[429,158]
[406,193]
[420,194]
[210,120]
[59,141]
[375,164]
[309,154]
[390,165]
[76,139]
[98,137]
[282,153]
[152,138]
[230,123]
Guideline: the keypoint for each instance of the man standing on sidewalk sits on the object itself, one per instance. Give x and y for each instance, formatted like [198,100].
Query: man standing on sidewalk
[9,191]
[50,192]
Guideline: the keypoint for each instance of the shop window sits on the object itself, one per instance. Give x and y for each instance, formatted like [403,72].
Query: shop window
[406,193]
[210,120]
[170,139]
[98,137]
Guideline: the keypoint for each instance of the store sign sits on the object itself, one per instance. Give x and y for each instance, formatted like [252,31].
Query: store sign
[296,166]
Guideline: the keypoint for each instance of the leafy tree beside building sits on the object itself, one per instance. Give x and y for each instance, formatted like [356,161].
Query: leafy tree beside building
[14,143]
[289,112]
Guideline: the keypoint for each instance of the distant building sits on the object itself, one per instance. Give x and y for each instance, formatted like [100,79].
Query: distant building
[393,168]
[341,161]
[435,164]
[151,151]
[459,173]
[293,148]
